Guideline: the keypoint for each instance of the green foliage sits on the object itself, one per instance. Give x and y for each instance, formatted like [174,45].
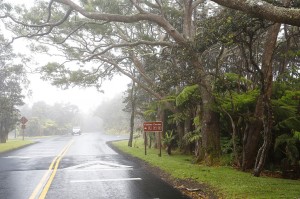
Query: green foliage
[290,97]
[12,82]
[151,108]
[151,111]
[232,82]
[197,121]
[290,123]
[282,110]
[44,119]
[288,144]
[292,54]
[50,127]
[176,117]
[286,111]
[239,103]
[224,27]
[168,138]
[296,135]
[188,95]
[192,137]
[168,99]
[226,145]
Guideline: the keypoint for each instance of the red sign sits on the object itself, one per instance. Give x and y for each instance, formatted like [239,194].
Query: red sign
[153,126]
[24,120]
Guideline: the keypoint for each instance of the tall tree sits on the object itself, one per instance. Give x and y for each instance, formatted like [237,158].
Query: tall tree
[11,78]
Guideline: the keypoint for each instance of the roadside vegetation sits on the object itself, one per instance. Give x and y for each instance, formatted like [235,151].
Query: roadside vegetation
[13,144]
[225,181]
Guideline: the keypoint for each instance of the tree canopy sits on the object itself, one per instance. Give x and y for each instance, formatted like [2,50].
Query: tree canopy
[12,79]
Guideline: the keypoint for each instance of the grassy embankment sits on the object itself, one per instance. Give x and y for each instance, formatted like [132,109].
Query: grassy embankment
[226,181]
[13,144]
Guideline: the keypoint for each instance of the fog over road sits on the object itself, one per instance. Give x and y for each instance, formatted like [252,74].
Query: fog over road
[77,167]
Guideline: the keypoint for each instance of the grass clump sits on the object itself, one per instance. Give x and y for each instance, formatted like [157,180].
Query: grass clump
[228,182]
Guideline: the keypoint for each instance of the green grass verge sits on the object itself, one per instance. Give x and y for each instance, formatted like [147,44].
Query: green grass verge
[227,182]
[13,144]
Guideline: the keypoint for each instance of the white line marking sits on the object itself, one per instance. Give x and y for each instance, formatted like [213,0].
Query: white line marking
[98,164]
[28,157]
[99,169]
[105,180]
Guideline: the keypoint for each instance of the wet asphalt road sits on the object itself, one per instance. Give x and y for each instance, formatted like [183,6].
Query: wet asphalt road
[88,169]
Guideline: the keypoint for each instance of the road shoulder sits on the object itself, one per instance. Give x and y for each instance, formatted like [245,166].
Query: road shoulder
[193,189]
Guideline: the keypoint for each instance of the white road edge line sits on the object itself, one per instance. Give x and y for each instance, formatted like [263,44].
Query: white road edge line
[105,180]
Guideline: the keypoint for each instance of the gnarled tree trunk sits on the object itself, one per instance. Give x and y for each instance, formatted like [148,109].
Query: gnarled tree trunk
[267,92]
[262,121]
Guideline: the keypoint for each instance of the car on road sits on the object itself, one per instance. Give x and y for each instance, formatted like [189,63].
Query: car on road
[76,130]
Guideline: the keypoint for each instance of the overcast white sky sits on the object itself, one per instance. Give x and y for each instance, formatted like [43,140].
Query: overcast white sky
[87,99]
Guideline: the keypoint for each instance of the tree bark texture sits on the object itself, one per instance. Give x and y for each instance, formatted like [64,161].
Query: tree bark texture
[3,132]
[132,116]
[267,92]
[210,131]
[158,136]
[262,121]
[209,146]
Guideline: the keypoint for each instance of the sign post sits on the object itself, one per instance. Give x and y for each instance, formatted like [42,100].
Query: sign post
[153,127]
[23,120]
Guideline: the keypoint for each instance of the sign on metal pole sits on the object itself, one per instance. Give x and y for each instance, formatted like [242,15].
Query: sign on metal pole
[156,126]
[23,120]
[153,126]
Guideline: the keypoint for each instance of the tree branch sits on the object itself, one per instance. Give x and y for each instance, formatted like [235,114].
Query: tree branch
[263,9]
[159,20]
[141,42]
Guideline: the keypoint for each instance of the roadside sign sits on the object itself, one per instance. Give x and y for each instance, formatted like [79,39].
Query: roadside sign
[153,126]
[23,120]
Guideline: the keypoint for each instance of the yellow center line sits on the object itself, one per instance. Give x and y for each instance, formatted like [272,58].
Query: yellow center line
[55,161]
[47,186]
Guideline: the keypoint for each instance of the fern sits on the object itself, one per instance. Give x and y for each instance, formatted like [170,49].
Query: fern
[192,137]
[169,137]
[187,94]
[296,135]
[289,143]
[283,139]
